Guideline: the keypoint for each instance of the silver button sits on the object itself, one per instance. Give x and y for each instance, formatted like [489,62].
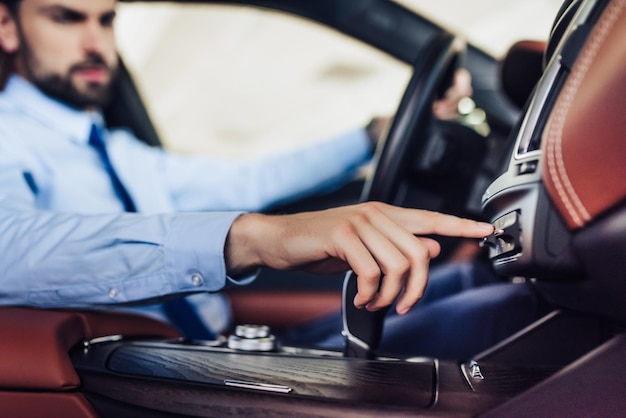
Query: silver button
[197,279]
[252,331]
[113,292]
[251,344]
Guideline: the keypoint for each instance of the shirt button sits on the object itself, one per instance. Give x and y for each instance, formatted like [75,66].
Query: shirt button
[113,292]
[197,279]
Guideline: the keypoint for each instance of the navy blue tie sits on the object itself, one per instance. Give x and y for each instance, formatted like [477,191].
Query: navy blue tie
[95,140]
[178,310]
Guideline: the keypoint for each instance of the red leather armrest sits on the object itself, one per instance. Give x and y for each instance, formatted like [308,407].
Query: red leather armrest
[34,343]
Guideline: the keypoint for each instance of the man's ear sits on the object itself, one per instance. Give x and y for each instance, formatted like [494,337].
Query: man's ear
[9,39]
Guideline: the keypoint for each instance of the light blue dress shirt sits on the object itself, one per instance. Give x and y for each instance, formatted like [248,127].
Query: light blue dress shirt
[65,240]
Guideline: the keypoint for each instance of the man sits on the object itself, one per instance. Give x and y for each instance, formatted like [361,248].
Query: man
[67,241]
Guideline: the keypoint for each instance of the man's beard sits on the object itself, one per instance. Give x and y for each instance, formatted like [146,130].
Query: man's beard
[60,86]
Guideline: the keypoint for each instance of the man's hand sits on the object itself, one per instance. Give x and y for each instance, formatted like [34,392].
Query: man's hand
[373,239]
[447,108]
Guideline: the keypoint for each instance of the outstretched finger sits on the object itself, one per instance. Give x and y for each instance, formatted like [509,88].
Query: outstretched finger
[422,222]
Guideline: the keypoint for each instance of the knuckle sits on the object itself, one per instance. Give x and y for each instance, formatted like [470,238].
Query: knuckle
[359,217]
[419,254]
[369,209]
[371,275]
[343,230]
[400,268]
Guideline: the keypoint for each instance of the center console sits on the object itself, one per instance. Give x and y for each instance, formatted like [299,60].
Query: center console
[173,378]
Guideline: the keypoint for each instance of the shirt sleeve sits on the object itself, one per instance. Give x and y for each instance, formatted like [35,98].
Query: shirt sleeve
[57,259]
[201,183]
[66,260]
[52,259]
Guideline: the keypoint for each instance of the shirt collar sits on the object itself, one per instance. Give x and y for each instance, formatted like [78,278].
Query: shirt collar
[74,123]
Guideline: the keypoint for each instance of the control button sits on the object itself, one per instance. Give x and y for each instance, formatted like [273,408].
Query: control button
[527,167]
[252,338]
[252,331]
[505,222]
[197,280]
[251,344]
[505,239]
[475,372]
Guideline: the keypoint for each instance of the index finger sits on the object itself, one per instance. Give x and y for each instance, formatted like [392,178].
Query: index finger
[422,222]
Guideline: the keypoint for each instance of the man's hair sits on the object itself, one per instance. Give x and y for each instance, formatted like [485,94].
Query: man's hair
[5,64]
[11,4]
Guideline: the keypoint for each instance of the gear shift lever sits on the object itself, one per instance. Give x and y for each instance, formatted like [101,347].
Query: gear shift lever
[362,329]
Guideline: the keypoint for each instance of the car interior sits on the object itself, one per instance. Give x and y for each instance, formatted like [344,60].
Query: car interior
[549,175]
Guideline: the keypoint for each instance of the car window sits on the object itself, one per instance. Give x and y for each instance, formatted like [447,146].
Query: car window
[491,25]
[238,81]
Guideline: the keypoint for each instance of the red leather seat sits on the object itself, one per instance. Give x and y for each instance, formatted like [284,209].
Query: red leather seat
[584,139]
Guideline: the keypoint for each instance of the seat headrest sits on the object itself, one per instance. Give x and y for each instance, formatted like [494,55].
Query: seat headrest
[521,69]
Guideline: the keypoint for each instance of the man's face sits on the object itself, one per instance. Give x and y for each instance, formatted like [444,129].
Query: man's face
[67,48]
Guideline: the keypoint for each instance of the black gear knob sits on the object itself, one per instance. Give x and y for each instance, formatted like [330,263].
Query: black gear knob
[362,329]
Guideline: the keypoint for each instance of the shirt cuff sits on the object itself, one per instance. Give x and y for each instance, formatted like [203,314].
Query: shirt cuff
[194,252]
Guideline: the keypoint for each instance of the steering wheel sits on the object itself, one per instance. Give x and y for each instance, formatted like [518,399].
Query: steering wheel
[433,73]
[403,145]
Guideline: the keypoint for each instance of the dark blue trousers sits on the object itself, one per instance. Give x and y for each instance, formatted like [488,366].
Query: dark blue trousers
[465,309]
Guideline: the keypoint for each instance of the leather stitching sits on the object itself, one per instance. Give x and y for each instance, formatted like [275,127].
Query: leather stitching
[556,165]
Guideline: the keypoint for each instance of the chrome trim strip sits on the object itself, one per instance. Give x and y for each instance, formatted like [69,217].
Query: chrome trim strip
[266,387]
